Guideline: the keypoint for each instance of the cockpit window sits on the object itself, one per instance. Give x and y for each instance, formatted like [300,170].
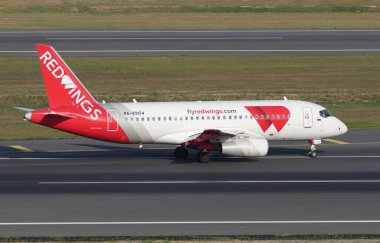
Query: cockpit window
[325,113]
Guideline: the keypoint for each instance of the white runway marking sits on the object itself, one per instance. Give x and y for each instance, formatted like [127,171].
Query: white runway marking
[180,31]
[195,222]
[216,158]
[208,182]
[168,38]
[210,51]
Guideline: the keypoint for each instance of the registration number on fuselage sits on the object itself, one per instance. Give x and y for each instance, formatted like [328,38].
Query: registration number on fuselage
[134,113]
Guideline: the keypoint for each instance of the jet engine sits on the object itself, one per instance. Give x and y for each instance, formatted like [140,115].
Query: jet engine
[245,147]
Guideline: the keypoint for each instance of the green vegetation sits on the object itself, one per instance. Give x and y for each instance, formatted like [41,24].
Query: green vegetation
[192,14]
[349,86]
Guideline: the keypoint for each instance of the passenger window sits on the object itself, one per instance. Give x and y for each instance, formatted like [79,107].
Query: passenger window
[273,116]
[218,117]
[158,118]
[186,118]
[137,119]
[153,118]
[283,116]
[142,118]
[147,119]
[262,117]
[267,117]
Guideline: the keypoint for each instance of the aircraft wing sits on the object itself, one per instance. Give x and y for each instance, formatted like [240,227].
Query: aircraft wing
[213,136]
[230,142]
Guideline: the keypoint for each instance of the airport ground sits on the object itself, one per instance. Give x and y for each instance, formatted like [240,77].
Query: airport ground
[82,187]
[85,187]
[188,15]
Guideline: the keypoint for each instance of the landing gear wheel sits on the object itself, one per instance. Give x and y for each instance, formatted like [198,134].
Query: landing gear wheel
[313,151]
[181,153]
[203,156]
[313,154]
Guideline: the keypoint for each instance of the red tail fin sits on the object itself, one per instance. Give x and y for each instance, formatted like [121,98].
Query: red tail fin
[63,88]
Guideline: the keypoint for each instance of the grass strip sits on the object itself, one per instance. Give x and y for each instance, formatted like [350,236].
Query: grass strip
[192,14]
[188,21]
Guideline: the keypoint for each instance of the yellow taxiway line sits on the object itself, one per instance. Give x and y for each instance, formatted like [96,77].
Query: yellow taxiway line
[22,148]
[335,141]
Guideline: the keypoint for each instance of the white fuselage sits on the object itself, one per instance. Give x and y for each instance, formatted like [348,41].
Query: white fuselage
[174,122]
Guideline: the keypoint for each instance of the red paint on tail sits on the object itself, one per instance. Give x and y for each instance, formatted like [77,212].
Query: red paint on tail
[72,108]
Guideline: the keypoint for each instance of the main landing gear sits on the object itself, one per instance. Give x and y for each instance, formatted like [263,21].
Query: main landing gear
[182,153]
[203,156]
[313,149]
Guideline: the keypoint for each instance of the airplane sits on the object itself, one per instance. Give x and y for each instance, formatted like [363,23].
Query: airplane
[236,128]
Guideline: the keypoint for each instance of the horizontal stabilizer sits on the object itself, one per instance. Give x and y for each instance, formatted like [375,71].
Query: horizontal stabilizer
[60,115]
[24,109]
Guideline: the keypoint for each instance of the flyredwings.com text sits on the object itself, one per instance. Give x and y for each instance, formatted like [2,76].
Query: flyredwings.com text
[209,112]
[57,71]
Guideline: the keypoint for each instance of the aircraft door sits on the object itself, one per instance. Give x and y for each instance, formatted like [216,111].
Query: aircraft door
[307,117]
[112,125]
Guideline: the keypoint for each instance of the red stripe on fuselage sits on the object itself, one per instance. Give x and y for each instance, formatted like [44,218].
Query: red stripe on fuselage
[270,115]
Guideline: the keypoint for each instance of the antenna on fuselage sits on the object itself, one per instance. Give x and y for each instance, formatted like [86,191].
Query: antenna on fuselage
[285,98]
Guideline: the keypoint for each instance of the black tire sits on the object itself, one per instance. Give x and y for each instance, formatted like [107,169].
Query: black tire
[203,157]
[181,153]
[313,154]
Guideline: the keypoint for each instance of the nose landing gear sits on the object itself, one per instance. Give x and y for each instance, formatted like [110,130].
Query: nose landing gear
[313,149]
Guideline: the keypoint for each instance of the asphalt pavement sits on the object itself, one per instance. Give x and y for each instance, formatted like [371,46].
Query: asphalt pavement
[82,187]
[175,43]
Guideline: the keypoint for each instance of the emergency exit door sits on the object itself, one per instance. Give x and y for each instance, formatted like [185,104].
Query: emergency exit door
[307,117]
[112,125]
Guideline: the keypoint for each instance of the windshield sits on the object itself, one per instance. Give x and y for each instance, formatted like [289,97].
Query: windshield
[325,113]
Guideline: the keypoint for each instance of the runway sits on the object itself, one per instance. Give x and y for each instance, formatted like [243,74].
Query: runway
[175,43]
[83,187]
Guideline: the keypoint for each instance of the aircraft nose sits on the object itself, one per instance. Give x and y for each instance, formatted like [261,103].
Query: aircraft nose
[343,128]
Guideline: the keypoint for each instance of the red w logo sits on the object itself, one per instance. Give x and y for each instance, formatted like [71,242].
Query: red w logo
[268,115]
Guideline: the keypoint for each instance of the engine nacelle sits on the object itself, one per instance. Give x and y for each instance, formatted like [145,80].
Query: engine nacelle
[246,147]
